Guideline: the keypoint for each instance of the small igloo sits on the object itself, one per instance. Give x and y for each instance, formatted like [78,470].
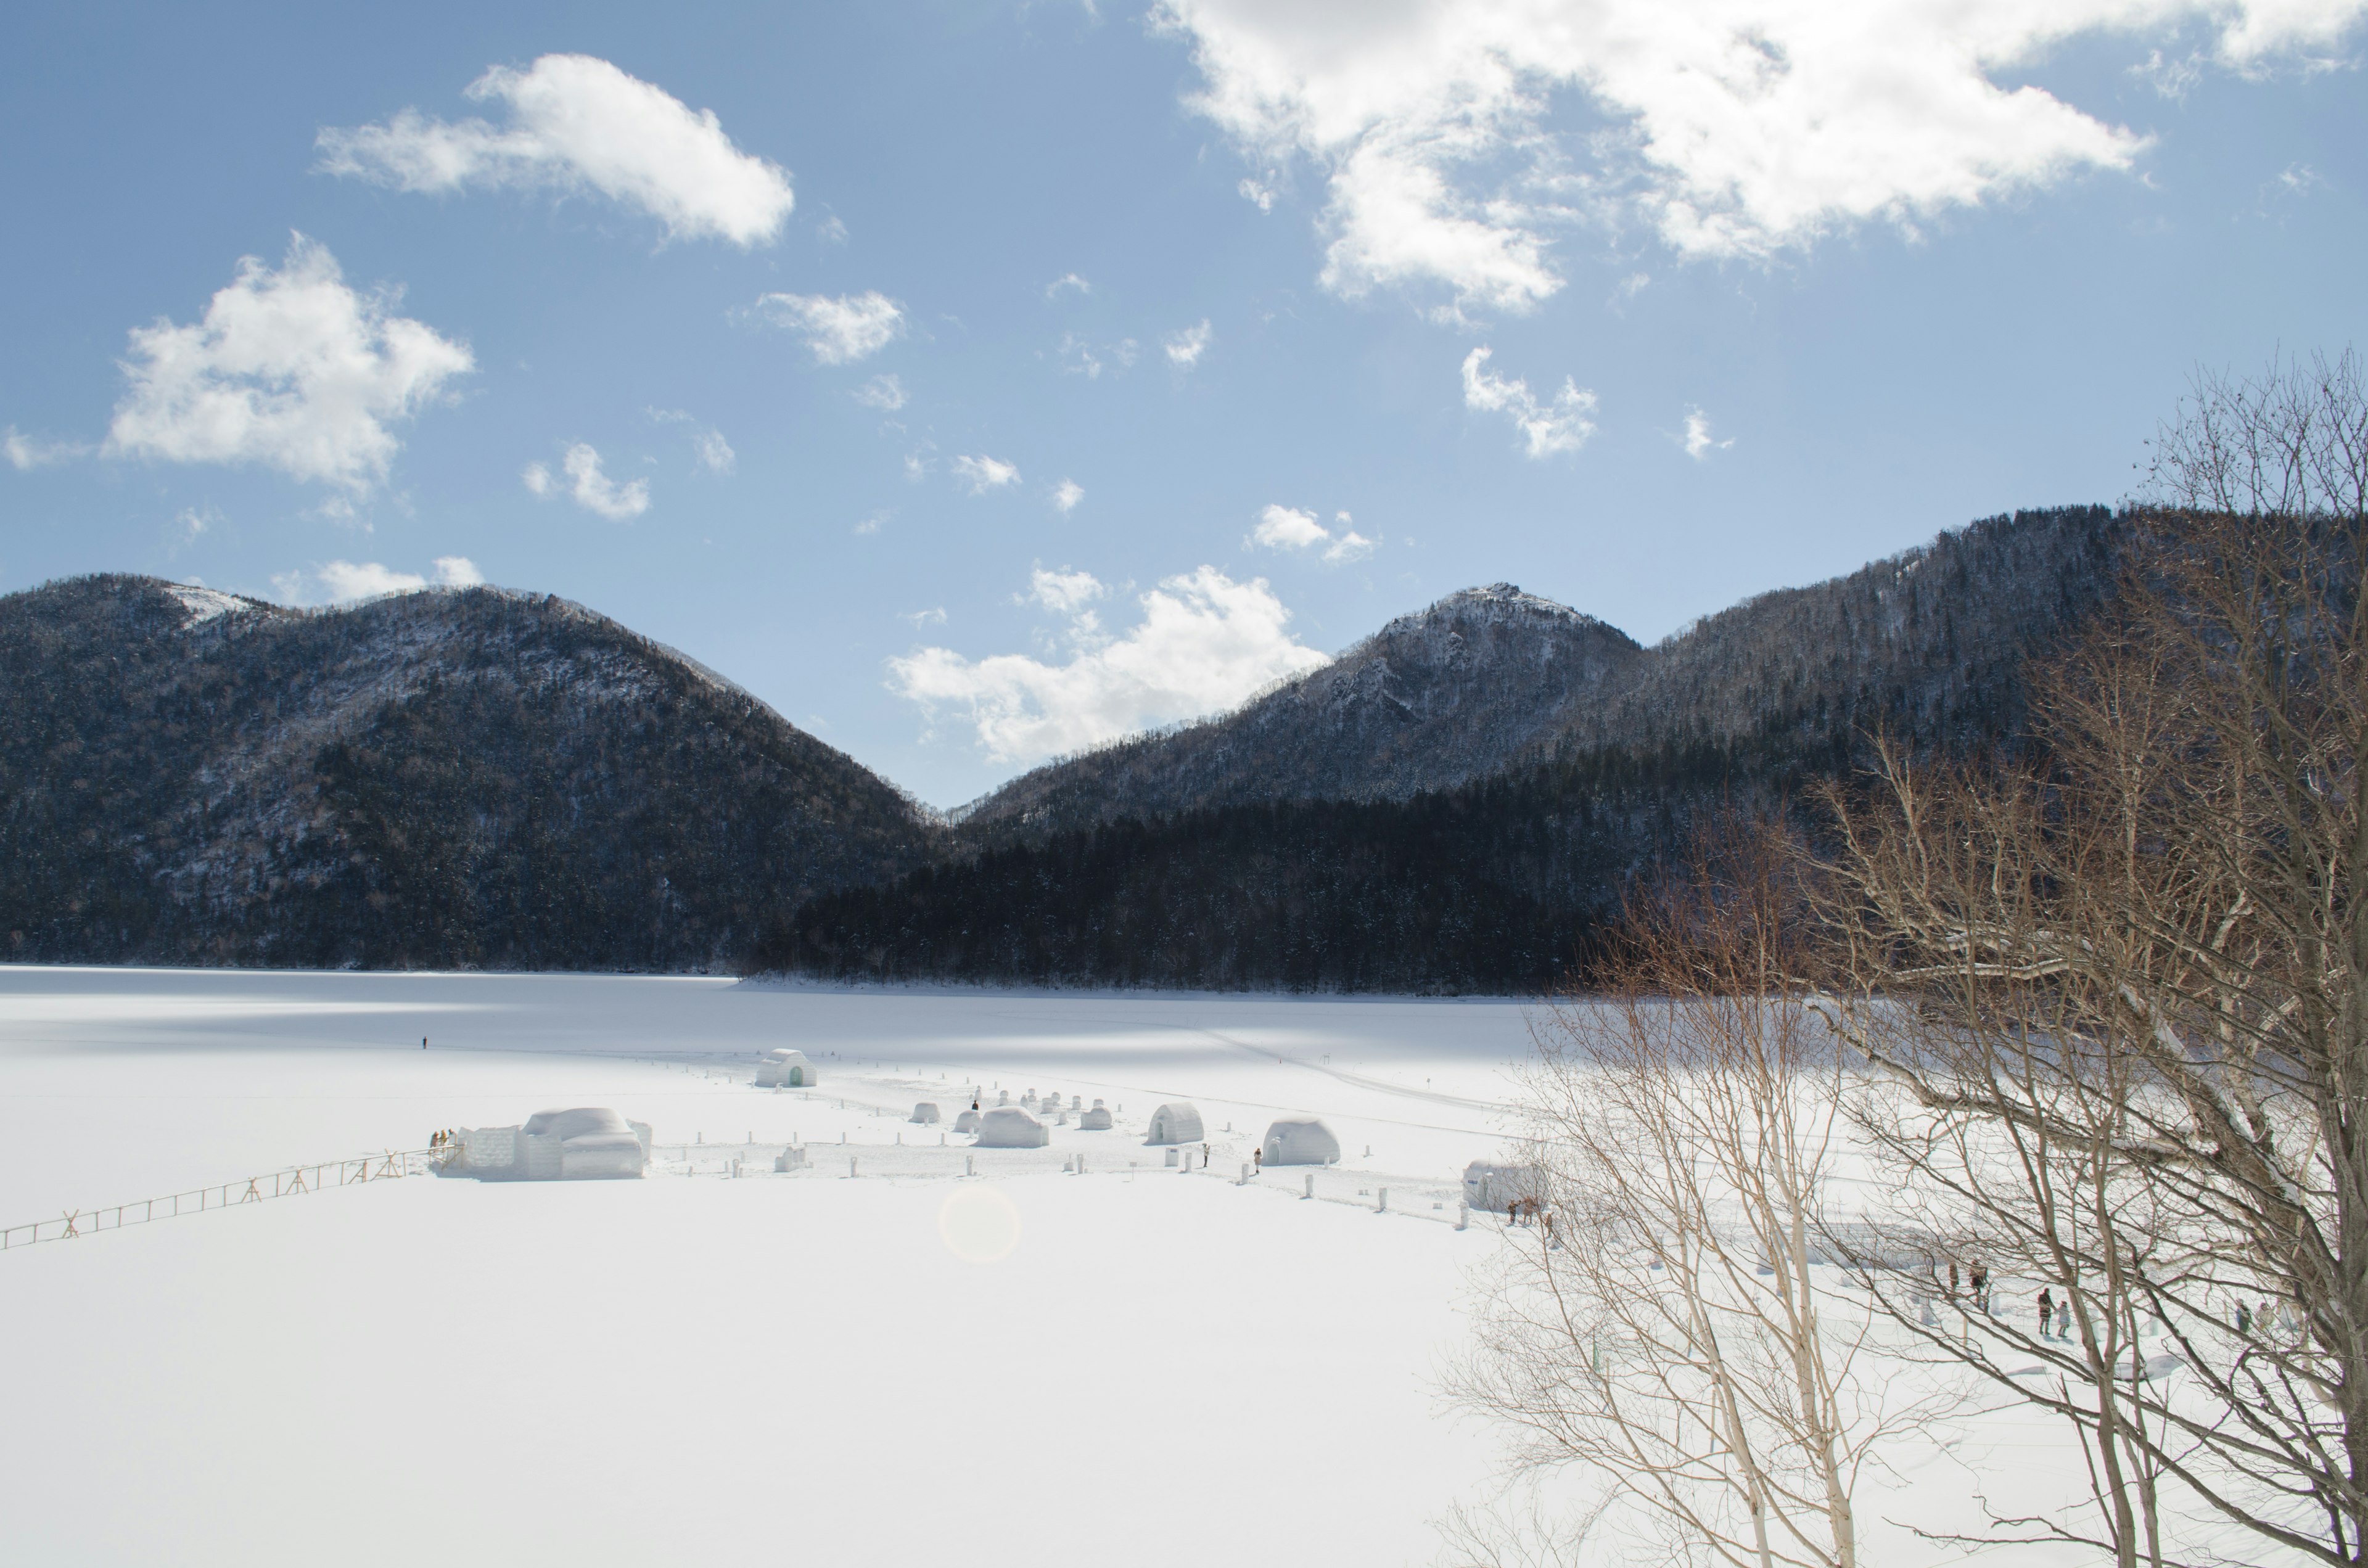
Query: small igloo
[1301,1141]
[1494,1187]
[784,1069]
[1178,1122]
[926,1113]
[1094,1121]
[967,1121]
[1010,1127]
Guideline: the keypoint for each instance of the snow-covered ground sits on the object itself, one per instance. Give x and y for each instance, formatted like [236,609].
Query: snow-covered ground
[1131,1365]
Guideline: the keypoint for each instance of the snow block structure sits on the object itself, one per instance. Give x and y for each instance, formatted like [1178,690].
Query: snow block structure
[1495,1188]
[785,1069]
[1175,1123]
[1301,1141]
[967,1121]
[926,1113]
[586,1144]
[1010,1127]
[1094,1121]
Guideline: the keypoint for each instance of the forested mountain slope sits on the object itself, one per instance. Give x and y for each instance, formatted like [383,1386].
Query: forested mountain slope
[460,776]
[1447,694]
[1502,882]
[1926,643]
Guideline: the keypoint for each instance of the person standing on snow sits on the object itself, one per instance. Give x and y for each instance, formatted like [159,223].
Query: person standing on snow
[2046,1314]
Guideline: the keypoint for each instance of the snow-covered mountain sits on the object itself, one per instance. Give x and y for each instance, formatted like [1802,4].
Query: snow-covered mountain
[446,778]
[1433,698]
[1927,644]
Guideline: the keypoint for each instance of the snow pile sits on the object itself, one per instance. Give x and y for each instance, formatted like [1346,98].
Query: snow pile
[1010,1127]
[1094,1121]
[586,1144]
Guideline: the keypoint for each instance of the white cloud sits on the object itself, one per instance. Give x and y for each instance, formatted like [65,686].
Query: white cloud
[1697,442]
[1185,347]
[869,525]
[1064,592]
[1257,195]
[25,451]
[715,453]
[885,393]
[1067,280]
[1204,644]
[982,473]
[288,368]
[592,488]
[1079,358]
[920,617]
[576,123]
[831,231]
[341,581]
[1562,426]
[1281,527]
[1066,495]
[1738,127]
[839,331]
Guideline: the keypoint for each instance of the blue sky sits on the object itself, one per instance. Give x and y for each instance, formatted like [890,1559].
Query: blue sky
[972,381]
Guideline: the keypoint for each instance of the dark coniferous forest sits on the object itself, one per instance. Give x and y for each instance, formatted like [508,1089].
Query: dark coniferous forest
[475,777]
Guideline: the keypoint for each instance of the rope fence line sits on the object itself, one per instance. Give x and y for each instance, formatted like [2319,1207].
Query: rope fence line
[389,1165]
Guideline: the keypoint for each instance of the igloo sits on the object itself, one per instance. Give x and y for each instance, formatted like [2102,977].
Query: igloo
[1176,1123]
[1301,1141]
[784,1069]
[967,1121]
[925,1113]
[586,1144]
[1010,1127]
[1491,1185]
[1094,1121]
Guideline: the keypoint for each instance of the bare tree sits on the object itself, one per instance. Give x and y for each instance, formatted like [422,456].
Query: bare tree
[1668,1326]
[2116,985]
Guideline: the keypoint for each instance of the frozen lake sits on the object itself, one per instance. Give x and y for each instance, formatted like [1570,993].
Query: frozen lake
[1165,1369]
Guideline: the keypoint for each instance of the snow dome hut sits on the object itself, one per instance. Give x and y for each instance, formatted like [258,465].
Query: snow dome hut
[784,1069]
[1301,1141]
[1094,1121]
[1496,1187]
[586,1144]
[925,1113]
[967,1121]
[1175,1123]
[1010,1127]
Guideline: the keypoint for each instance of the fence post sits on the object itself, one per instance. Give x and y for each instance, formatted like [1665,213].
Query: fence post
[1246,1174]
[1382,1206]
[970,1164]
[1311,1186]
[1462,1213]
[851,1164]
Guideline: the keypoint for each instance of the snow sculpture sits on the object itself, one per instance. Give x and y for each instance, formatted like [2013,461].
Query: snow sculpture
[1301,1141]
[1494,1188]
[584,1143]
[966,1122]
[926,1113]
[1175,1123]
[784,1069]
[1011,1126]
[1003,1099]
[1094,1121]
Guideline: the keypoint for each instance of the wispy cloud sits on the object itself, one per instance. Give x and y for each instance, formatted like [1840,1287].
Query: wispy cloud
[290,368]
[1204,643]
[590,485]
[1562,426]
[885,393]
[839,331]
[1067,281]
[577,123]
[25,451]
[1066,495]
[1185,347]
[1284,528]
[341,581]
[982,473]
[1697,441]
